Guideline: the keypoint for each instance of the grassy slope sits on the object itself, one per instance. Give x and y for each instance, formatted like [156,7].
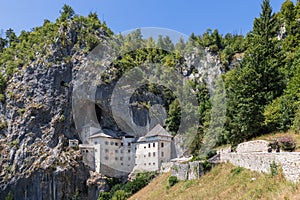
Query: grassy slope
[222,182]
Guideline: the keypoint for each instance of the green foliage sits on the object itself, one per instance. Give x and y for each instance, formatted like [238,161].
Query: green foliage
[62,118]
[274,168]
[21,111]
[67,12]
[3,125]
[104,196]
[141,180]
[174,114]
[13,143]
[206,165]
[9,196]
[244,109]
[262,90]
[119,195]
[172,180]
[237,170]
[118,190]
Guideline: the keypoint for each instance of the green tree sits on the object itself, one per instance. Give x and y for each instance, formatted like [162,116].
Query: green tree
[179,47]
[11,37]
[3,43]
[258,81]
[67,12]
[244,109]
[174,116]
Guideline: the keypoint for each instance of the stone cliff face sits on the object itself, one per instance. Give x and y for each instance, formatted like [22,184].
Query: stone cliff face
[35,161]
[37,121]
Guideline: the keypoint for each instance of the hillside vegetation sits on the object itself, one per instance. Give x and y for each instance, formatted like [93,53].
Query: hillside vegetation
[261,71]
[223,182]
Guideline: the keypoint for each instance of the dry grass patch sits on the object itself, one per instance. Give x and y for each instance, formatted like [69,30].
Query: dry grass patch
[224,181]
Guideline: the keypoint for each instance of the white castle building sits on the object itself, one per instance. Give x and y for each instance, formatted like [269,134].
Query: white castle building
[118,155]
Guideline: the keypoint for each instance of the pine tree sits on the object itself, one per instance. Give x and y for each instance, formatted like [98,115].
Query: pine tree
[67,12]
[263,54]
[258,81]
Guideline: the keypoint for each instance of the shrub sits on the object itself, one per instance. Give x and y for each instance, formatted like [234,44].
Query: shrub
[62,118]
[119,195]
[104,196]
[141,180]
[172,180]
[287,143]
[274,168]
[206,165]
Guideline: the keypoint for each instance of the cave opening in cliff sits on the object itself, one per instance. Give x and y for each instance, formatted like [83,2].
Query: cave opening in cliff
[98,113]
[152,94]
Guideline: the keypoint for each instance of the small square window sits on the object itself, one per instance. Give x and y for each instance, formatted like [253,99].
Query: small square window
[153,144]
[111,143]
[149,163]
[106,157]
[149,145]
[106,150]
[129,144]
[162,154]
[129,158]
[116,158]
[116,151]
[162,145]
[122,151]
[122,144]
[116,143]
[153,154]
[106,143]
[149,154]
[122,164]
[121,158]
[128,150]
[154,163]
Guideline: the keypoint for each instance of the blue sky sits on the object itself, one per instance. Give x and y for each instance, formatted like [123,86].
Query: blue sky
[230,16]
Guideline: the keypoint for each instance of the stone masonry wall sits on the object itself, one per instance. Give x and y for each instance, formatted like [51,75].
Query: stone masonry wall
[260,161]
[253,146]
[187,171]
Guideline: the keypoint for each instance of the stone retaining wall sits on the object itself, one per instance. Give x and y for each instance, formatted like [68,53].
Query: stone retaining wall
[187,171]
[253,146]
[260,161]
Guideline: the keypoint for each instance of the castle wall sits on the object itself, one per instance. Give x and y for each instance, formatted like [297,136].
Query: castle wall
[260,161]
[147,156]
[253,146]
